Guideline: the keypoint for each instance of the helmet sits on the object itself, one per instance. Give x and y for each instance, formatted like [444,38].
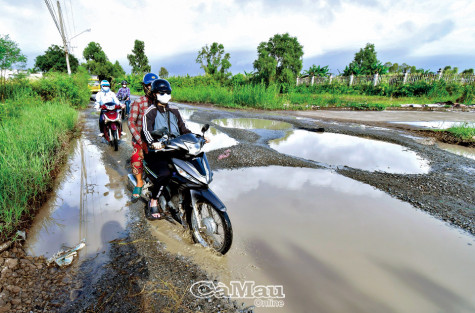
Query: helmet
[123,82]
[161,86]
[105,83]
[149,78]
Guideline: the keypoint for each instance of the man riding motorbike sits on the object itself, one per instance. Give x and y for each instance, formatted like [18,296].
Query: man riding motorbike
[124,95]
[137,111]
[104,96]
[157,116]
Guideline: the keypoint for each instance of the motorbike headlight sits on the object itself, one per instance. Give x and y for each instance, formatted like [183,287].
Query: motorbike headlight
[193,148]
[183,173]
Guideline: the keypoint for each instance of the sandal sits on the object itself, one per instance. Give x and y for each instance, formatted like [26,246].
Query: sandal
[149,210]
[137,191]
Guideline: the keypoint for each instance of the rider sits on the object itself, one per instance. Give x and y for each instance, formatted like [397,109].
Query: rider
[104,96]
[157,116]
[124,94]
[137,110]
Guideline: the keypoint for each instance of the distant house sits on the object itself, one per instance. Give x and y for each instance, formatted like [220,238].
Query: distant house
[14,73]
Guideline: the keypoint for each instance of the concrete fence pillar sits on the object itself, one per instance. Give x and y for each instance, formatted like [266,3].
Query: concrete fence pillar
[375,79]
[313,80]
[330,79]
[352,77]
[404,81]
[297,81]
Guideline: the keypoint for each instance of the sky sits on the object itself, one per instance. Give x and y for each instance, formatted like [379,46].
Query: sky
[426,33]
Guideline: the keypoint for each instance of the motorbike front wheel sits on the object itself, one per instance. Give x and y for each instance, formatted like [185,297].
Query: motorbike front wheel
[115,140]
[216,231]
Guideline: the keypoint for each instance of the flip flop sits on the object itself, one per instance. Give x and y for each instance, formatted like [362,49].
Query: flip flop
[137,191]
[149,210]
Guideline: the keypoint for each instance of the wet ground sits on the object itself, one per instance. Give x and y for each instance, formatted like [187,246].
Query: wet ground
[367,216]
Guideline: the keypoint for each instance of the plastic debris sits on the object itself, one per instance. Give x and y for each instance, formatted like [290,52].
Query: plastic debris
[21,234]
[224,155]
[66,257]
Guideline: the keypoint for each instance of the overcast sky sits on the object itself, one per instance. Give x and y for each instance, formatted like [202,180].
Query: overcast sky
[424,33]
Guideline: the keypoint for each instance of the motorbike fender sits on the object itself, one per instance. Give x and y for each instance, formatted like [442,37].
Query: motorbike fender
[113,126]
[209,195]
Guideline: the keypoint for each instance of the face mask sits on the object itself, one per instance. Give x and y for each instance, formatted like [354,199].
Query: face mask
[124,86]
[163,99]
[105,89]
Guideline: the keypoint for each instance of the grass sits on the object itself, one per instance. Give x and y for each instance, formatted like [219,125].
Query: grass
[29,144]
[36,122]
[465,131]
[270,98]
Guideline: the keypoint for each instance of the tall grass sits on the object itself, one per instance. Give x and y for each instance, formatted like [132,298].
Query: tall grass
[465,131]
[32,133]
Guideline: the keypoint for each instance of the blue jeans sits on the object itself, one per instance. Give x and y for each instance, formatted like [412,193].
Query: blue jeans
[127,103]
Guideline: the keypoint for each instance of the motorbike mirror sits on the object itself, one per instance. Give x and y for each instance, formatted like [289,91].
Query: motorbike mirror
[159,132]
[205,128]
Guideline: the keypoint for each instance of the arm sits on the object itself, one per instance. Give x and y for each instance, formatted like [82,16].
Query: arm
[148,123]
[98,101]
[132,122]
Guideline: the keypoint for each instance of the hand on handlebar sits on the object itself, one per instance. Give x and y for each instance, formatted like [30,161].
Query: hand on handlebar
[157,145]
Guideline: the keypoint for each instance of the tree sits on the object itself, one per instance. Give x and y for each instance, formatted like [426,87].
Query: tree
[279,59]
[365,59]
[315,70]
[55,60]
[214,61]
[10,55]
[138,60]
[98,64]
[163,72]
[468,71]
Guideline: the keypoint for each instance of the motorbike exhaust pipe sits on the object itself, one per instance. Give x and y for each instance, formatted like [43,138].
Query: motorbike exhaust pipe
[132,180]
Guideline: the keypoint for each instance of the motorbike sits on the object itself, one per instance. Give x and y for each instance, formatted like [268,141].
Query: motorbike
[123,103]
[112,123]
[187,199]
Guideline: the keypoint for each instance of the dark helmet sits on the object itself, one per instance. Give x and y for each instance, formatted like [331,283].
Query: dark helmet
[123,82]
[149,78]
[161,86]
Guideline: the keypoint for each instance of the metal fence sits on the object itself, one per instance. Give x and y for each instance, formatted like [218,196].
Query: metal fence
[390,79]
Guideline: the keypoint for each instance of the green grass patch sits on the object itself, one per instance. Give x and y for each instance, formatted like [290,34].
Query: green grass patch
[465,131]
[29,143]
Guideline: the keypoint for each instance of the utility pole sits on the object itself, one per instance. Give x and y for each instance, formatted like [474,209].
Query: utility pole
[65,42]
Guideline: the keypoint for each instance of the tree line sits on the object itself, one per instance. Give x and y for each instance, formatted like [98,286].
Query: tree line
[279,60]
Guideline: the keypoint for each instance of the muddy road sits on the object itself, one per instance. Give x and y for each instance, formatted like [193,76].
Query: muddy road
[365,216]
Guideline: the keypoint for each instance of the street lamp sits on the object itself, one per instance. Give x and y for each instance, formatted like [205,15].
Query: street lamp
[69,42]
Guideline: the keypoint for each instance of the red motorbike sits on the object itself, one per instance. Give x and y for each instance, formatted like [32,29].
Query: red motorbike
[112,114]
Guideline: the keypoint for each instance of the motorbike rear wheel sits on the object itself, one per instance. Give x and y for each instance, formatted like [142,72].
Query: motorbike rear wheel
[115,140]
[216,231]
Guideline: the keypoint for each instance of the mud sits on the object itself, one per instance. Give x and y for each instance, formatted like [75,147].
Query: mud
[144,273]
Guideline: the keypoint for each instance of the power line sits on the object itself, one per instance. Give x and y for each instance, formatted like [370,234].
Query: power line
[72,16]
[53,15]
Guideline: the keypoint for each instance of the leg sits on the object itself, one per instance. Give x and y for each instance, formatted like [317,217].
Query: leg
[137,169]
[101,123]
[161,170]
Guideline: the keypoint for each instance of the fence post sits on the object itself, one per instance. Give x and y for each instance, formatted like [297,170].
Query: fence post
[331,78]
[313,80]
[439,74]
[405,78]
[297,80]
[351,79]
[375,79]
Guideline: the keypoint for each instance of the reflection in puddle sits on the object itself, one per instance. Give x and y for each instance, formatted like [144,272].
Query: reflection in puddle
[335,245]
[186,113]
[356,152]
[457,149]
[217,138]
[252,123]
[89,203]
[432,124]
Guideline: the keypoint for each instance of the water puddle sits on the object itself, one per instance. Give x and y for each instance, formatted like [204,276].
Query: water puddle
[337,149]
[217,138]
[334,244]
[252,123]
[459,150]
[88,203]
[431,124]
